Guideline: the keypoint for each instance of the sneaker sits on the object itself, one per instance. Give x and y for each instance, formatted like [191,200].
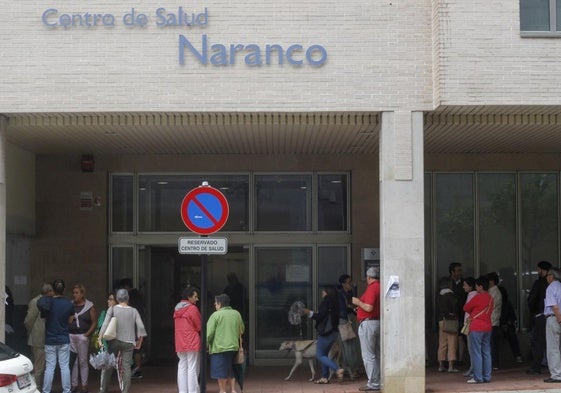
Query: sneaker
[472,380]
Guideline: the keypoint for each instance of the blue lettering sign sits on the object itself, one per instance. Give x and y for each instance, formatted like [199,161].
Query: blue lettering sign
[315,55]
[53,19]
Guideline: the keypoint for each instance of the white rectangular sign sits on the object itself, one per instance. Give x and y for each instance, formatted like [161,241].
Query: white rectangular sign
[203,245]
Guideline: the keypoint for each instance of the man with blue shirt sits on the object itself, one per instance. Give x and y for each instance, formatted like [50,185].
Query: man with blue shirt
[553,324]
[59,312]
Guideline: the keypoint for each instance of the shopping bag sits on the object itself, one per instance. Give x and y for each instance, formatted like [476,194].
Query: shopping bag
[102,360]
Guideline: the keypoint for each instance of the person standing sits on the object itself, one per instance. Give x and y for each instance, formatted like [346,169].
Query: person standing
[447,311]
[480,308]
[368,315]
[130,335]
[327,327]
[35,326]
[495,293]
[552,313]
[187,323]
[81,328]
[536,307]
[224,330]
[350,348]
[136,300]
[59,313]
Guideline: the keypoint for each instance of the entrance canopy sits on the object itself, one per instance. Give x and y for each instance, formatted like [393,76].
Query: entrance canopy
[449,129]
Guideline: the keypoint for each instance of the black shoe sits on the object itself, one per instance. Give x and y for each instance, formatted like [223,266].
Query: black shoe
[551,380]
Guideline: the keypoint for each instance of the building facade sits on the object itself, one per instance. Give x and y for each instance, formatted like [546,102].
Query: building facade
[425,129]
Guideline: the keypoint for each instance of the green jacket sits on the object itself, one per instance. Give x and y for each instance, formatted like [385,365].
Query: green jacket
[223,330]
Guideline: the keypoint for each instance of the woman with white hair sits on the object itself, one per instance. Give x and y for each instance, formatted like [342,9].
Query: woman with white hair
[130,334]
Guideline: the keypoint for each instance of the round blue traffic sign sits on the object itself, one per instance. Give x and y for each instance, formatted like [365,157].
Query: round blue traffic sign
[204,210]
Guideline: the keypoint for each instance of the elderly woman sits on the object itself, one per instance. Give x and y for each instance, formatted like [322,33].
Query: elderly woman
[479,309]
[224,329]
[130,334]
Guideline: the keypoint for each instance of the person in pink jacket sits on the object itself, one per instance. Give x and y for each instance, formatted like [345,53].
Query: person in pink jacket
[187,321]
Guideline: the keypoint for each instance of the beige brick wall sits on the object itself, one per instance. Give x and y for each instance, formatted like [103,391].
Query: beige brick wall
[483,60]
[379,57]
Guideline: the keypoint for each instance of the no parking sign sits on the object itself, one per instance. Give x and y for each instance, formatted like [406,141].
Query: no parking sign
[204,210]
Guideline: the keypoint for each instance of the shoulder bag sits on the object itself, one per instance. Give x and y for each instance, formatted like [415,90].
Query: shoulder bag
[467,323]
[347,332]
[111,331]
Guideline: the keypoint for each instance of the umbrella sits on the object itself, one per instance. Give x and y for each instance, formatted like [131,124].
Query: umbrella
[102,360]
[239,370]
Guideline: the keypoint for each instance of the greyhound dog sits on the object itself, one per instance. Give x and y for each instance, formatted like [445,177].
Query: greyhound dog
[305,349]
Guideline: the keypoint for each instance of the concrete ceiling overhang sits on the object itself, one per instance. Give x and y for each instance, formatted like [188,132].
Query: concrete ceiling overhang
[448,129]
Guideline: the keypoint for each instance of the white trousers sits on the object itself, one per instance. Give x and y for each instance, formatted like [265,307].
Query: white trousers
[188,372]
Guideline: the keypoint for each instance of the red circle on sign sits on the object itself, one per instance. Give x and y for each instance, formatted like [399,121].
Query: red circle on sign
[193,197]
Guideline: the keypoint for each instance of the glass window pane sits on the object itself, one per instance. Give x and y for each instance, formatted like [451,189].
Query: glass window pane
[558,15]
[332,262]
[429,298]
[497,229]
[282,277]
[538,220]
[332,202]
[121,264]
[534,15]
[283,202]
[454,222]
[122,203]
[160,198]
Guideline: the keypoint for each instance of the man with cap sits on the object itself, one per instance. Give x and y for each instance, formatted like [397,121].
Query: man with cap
[537,319]
[368,316]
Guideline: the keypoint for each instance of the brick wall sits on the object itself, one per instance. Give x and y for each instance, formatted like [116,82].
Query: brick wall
[379,57]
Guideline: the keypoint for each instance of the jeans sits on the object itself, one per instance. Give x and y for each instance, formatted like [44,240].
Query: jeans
[369,335]
[480,352]
[188,372]
[52,352]
[324,344]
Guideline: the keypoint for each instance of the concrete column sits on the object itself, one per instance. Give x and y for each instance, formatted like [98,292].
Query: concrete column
[3,125]
[402,251]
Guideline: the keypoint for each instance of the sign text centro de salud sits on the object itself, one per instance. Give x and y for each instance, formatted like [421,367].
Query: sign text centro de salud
[204,245]
[206,52]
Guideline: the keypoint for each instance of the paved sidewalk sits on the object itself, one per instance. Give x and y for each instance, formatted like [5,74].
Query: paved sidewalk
[271,380]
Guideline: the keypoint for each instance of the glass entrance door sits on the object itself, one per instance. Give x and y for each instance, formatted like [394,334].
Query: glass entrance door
[165,273]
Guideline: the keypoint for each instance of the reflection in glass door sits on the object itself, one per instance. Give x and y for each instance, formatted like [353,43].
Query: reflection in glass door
[283,276]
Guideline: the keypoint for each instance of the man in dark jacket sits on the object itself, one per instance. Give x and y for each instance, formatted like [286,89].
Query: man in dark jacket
[535,307]
[57,338]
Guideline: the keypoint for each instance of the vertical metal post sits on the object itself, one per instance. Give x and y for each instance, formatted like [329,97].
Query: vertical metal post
[204,318]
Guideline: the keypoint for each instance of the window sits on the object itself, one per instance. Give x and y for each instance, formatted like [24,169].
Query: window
[332,202]
[160,199]
[540,17]
[122,203]
[283,202]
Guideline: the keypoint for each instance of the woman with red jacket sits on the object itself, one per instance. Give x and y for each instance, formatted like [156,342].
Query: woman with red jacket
[479,309]
[187,321]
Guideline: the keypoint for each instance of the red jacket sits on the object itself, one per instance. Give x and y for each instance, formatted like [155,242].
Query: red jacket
[480,302]
[187,321]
